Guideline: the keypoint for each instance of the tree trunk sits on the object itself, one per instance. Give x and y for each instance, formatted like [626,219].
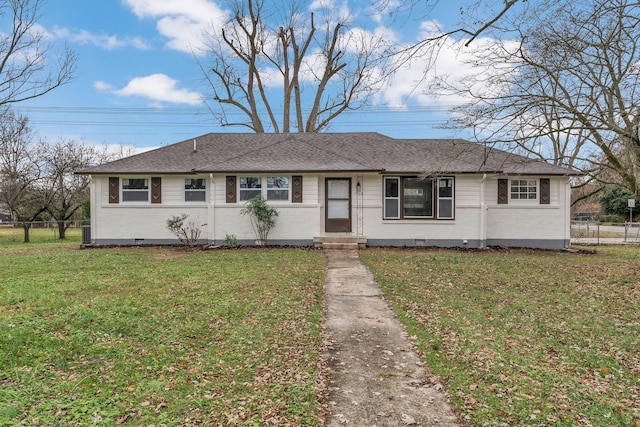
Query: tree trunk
[62,230]
[25,227]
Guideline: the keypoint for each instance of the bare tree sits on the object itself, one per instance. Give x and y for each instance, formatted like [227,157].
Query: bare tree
[21,172]
[29,67]
[67,190]
[567,91]
[322,67]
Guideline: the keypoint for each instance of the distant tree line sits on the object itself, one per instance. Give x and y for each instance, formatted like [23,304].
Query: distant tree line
[37,178]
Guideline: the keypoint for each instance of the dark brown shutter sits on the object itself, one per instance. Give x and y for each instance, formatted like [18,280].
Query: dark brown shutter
[231,189]
[503,191]
[296,189]
[545,191]
[156,189]
[114,189]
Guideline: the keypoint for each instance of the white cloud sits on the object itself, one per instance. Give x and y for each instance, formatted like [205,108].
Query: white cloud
[182,22]
[155,87]
[339,10]
[102,86]
[104,41]
[451,61]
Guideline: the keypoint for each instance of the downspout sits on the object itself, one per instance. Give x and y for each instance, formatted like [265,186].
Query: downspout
[211,210]
[483,212]
[567,213]
[93,203]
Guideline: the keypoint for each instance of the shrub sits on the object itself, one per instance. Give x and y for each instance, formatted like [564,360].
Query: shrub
[187,231]
[230,241]
[263,217]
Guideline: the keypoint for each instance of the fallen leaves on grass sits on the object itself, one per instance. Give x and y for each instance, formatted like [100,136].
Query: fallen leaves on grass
[524,337]
[139,336]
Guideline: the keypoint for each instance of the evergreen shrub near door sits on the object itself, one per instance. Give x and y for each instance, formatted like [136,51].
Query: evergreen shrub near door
[263,217]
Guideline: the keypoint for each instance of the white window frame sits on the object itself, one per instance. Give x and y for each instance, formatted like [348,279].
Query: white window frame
[264,188]
[528,184]
[446,199]
[124,191]
[272,188]
[251,190]
[391,199]
[194,191]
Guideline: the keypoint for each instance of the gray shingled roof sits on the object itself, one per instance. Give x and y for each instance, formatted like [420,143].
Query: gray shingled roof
[324,152]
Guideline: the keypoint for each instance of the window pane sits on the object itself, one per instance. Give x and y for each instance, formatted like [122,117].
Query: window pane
[338,189]
[135,184]
[445,187]
[195,196]
[418,197]
[445,208]
[391,208]
[277,194]
[195,184]
[338,209]
[135,196]
[250,182]
[278,182]
[391,187]
[249,194]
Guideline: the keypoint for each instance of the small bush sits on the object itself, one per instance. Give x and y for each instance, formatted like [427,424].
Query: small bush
[187,231]
[230,241]
[263,217]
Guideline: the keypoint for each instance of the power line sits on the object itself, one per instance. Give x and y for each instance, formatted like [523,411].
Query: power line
[106,120]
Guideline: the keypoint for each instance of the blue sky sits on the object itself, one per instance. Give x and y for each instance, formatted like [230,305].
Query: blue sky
[138,84]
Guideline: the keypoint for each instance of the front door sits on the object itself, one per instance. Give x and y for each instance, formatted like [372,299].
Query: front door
[338,205]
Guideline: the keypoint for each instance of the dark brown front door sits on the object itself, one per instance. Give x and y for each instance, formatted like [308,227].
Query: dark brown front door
[338,205]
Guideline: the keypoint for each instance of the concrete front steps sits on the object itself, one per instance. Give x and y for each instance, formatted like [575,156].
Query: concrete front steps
[340,242]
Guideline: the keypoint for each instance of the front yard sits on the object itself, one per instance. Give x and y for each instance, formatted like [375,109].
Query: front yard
[521,337]
[140,336]
[159,336]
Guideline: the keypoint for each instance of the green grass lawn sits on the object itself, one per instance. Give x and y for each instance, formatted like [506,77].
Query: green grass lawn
[131,336]
[522,337]
[10,236]
[140,336]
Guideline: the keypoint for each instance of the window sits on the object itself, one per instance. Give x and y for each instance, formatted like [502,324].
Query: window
[392,197]
[445,198]
[411,197]
[135,190]
[417,197]
[278,188]
[524,189]
[195,190]
[250,187]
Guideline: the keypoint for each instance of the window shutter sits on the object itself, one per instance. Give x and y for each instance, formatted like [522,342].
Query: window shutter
[156,189]
[503,191]
[231,189]
[114,189]
[545,191]
[296,189]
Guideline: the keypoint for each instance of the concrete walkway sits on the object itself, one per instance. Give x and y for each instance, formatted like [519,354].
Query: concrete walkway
[375,378]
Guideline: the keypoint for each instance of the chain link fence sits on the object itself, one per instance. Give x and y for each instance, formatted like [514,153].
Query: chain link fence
[599,233]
